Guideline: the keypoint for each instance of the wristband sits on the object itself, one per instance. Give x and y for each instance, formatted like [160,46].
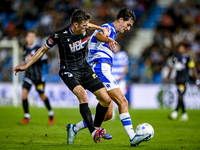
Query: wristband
[197,82]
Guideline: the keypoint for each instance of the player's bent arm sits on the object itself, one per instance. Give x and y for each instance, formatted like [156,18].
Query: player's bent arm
[40,52]
[111,43]
[35,57]
[125,70]
[100,37]
[95,27]
[169,74]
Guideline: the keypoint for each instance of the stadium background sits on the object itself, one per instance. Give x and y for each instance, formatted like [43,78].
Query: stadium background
[148,45]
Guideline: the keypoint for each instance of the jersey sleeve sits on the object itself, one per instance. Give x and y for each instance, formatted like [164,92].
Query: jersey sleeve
[52,40]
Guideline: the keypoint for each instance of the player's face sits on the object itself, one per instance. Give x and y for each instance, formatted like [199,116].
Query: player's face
[81,28]
[181,49]
[125,25]
[30,38]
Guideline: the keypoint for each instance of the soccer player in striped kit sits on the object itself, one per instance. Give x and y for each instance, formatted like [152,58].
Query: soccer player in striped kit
[100,57]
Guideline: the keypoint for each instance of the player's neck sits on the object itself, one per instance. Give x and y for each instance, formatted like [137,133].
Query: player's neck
[73,30]
[30,45]
[116,25]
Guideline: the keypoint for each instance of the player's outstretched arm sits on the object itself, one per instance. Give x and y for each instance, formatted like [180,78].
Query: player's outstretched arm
[40,52]
[95,27]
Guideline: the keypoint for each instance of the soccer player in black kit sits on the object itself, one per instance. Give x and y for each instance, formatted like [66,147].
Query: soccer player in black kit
[182,62]
[75,71]
[33,75]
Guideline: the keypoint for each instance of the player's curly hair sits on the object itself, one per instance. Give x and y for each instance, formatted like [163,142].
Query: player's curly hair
[79,15]
[126,14]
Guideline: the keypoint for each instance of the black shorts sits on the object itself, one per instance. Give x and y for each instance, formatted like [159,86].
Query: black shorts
[39,84]
[181,87]
[84,77]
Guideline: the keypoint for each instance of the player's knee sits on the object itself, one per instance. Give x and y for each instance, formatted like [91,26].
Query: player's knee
[83,98]
[24,96]
[43,97]
[107,101]
[124,103]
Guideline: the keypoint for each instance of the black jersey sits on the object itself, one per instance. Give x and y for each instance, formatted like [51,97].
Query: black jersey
[34,72]
[182,63]
[72,48]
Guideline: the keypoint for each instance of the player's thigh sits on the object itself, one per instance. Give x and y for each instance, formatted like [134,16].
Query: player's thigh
[103,97]
[25,89]
[81,94]
[117,96]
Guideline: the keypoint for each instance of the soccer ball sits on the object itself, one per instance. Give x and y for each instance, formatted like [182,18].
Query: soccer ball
[144,129]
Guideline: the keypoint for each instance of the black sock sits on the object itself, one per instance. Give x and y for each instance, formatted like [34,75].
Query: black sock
[183,106]
[25,105]
[179,105]
[100,114]
[47,104]
[87,116]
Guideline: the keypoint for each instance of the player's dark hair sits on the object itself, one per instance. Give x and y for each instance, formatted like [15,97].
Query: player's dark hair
[181,44]
[126,14]
[79,15]
[32,31]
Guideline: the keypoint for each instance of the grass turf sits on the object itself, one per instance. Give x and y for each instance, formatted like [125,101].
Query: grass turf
[37,135]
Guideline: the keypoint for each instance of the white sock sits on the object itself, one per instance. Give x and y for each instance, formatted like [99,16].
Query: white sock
[93,133]
[51,113]
[27,115]
[82,125]
[126,121]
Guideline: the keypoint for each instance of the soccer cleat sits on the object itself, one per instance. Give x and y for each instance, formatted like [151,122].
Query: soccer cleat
[173,115]
[99,134]
[107,136]
[51,120]
[137,139]
[184,117]
[25,121]
[71,134]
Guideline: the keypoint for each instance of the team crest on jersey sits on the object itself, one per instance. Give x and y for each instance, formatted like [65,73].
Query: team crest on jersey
[68,74]
[50,41]
[56,36]
[78,45]
[108,85]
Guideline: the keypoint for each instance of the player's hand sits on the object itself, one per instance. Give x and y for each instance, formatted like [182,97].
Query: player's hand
[112,44]
[19,68]
[106,32]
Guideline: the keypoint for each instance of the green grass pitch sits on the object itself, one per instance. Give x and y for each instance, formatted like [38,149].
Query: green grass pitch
[37,135]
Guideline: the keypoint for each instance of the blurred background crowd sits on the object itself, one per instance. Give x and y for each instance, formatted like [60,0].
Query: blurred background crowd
[171,24]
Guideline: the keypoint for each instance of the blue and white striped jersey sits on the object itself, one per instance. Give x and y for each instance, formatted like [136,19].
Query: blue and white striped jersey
[99,51]
[120,59]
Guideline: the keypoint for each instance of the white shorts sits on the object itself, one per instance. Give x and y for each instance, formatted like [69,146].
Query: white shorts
[103,71]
